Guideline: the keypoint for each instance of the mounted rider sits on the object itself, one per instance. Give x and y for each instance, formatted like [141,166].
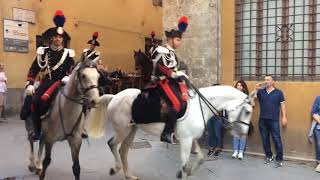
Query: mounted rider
[92,53]
[55,62]
[168,79]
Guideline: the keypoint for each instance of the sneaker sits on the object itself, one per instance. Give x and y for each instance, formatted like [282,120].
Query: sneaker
[217,153]
[268,160]
[210,152]
[240,155]
[235,154]
[318,168]
[278,164]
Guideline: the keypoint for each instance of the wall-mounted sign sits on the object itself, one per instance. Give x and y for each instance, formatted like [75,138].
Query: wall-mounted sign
[16,37]
[24,15]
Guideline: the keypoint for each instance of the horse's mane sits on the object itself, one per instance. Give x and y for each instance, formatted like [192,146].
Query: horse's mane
[227,92]
[224,97]
[70,85]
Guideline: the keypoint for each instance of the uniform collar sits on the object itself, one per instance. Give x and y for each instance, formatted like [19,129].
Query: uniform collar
[168,47]
[56,48]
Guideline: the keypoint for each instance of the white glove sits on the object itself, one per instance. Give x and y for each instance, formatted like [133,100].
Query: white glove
[65,79]
[177,74]
[30,90]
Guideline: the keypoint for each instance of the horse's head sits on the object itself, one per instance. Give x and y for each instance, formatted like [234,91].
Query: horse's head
[84,82]
[143,62]
[239,116]
[137,59]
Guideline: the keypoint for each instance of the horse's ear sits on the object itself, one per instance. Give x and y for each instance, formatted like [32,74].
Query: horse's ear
[251,97]
[139,50]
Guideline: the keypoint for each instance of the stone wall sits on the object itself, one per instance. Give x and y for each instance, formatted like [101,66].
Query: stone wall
[200,49]
[14,99]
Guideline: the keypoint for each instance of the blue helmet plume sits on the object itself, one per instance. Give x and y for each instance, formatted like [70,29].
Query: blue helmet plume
[59,18]
[183,24]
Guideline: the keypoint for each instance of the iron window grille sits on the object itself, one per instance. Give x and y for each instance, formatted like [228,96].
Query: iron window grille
[278,37]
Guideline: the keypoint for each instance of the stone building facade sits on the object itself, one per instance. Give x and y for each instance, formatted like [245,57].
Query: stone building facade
[200,49]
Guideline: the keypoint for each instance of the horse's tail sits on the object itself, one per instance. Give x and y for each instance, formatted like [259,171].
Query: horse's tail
[97,117]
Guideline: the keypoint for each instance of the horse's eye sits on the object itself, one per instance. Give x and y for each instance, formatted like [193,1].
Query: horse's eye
[83,76]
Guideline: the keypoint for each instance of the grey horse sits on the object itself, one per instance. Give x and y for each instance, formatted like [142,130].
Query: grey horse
[65,120]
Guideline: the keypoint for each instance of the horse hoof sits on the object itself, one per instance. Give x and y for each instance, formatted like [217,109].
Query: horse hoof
[132,178]
[31,168]
[112,172]
[38,172]
[41,177]
[179,175]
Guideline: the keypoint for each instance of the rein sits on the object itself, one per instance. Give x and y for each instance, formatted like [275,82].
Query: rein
[81,101]
[84,109]
[205,100]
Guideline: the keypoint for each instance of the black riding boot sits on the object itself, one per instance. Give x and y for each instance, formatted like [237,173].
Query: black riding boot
[36,126]
[167,134]
[26,108]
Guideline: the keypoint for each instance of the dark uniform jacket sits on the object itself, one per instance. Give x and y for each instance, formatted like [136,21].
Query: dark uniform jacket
[59,64]
[92,55]
[164,62]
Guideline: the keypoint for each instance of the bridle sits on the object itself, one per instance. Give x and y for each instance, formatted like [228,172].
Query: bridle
[214,110]
[81,100]
[82,88]
[238,120]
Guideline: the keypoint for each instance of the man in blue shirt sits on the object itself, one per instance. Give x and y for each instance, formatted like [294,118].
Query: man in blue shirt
[271,101]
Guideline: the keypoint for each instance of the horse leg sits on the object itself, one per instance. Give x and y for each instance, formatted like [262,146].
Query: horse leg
[46,161]
[200,157]
[185,149]
[124,149]
[38,162]
[32,158]
[75,145]
[32,165]
[114,144]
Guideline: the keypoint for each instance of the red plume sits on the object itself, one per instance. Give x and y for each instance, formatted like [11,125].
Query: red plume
[95,35]
[184,19]
[153,34]
[58,13]
[183,23]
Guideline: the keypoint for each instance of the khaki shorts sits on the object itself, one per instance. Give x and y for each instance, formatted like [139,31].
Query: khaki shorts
[2,99]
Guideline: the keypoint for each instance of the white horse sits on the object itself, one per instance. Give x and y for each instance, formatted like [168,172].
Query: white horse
[189,128]
[65,120]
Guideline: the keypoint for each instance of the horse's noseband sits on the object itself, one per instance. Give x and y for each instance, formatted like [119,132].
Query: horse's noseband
[84,91]
[239,116]
[238,120]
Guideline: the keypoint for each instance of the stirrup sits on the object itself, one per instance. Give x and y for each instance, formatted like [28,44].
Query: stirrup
[165,138]
[132,124]
[45,115]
